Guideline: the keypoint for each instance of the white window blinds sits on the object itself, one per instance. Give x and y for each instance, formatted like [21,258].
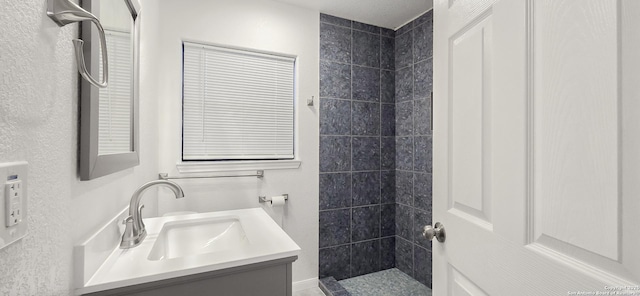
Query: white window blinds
[237,105]
[114,125]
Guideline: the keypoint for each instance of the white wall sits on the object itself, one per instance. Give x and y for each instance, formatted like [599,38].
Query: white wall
[39,124]
[255,24]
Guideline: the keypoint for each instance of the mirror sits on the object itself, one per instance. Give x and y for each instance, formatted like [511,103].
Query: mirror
[108,116]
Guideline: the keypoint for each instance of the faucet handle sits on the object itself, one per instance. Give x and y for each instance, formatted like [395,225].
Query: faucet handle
[122,226]
[128,237]
[128,222]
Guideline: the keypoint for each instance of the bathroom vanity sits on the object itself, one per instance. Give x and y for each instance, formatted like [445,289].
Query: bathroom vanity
[231,253]
[265,278]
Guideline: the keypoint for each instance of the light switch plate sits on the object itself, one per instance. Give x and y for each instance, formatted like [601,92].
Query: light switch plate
[13,205]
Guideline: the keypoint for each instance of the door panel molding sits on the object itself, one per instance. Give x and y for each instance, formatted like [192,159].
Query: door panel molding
[475,218]
[601,268]
[574,161]
[530,124]
[460,285]
[470,125]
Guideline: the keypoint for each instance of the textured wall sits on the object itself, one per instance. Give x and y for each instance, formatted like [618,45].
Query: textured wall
[38,102]
[39,124]
[357,144]
[413,61]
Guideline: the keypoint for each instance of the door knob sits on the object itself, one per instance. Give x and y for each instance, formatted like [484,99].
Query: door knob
[438,232]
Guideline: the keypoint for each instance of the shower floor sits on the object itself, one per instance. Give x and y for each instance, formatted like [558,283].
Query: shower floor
[390,282]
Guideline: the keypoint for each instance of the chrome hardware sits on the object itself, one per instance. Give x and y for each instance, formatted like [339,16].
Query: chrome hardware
[437,232]
[164,176]
[135,231]
[263,199]
[310,101]
[64,12]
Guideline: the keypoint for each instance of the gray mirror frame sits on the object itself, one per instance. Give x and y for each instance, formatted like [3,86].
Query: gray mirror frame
[93,165]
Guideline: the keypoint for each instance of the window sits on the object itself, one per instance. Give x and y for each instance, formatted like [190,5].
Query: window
[237,104]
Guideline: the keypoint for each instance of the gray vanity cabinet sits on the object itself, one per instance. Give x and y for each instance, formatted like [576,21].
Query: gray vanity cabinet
[270,278]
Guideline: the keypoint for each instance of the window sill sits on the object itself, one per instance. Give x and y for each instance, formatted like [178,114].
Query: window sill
[232,166]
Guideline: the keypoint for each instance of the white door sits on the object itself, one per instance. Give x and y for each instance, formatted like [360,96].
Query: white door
[537,147]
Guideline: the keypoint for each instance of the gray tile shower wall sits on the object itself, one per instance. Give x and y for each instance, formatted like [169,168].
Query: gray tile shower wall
[375,147]
[357,148]
[413,85]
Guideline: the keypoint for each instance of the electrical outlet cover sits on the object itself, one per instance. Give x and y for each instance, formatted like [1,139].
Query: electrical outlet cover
[13,201]
[13,228]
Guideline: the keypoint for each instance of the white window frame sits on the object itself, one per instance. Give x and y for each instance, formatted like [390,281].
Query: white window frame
[195,166]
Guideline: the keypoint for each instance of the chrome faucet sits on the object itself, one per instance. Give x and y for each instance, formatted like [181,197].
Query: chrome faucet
[135,231]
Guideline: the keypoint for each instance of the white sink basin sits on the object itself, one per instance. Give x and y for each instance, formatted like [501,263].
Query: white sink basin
[198,236]
[189,244]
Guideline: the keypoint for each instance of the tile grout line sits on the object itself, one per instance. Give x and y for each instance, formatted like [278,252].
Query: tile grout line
[360,241]
[358,65]
[380,158]
[413,197]
[353,29]
[350,265]
[355,136]
[348,172]
[362,101]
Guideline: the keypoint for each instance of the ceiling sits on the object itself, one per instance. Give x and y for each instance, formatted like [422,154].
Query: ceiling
[390,14]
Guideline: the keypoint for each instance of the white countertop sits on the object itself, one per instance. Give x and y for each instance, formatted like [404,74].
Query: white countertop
[126,267]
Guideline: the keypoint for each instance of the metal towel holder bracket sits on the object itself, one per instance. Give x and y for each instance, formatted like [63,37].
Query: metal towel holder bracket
[64,12]
[264,199]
